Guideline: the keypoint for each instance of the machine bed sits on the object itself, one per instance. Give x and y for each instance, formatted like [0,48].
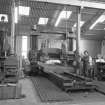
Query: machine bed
[69,82]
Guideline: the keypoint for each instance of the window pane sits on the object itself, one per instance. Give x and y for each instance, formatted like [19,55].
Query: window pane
[24,46]
[24,54]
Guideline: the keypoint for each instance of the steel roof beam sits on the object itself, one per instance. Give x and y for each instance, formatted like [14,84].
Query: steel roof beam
[86,26]
[89,4]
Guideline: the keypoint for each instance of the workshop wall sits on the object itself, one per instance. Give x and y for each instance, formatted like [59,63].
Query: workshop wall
[103,48]
[92,46]
[50,43]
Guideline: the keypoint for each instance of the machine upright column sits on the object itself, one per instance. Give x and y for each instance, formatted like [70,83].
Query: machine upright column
[78,32]
[34,42]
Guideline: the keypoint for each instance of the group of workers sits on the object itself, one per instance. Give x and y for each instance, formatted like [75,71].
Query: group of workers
[85,65]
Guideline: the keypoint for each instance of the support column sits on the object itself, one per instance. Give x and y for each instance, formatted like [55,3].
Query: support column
[12,26]
[78,29]
[34,42]
[70,44]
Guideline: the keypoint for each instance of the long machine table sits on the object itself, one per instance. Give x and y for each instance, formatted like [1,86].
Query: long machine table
[63,78]
[69,82]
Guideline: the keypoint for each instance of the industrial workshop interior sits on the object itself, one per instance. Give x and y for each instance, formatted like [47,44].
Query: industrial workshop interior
[52,52]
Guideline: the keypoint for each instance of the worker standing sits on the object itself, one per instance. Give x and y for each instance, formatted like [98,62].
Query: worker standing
[86,63]
[77,63]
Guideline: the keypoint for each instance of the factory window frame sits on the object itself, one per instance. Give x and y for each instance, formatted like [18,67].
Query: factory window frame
[24,46]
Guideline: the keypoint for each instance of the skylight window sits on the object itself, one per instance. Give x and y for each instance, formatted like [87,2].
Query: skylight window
[99,20]
[63,15]
[24,10]
[21,10]
[43,21]
[81,24]
[5,17]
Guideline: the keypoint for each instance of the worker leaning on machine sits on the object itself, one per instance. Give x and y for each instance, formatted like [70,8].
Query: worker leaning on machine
[87,63]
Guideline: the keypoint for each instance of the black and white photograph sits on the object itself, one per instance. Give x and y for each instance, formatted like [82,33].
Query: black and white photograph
[52,52]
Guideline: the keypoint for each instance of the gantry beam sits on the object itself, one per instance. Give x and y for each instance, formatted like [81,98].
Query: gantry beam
[91,4]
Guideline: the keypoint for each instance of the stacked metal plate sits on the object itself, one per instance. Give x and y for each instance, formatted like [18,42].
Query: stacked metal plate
[48,91]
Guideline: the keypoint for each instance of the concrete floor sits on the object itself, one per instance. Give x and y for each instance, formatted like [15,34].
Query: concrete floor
[33,99]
